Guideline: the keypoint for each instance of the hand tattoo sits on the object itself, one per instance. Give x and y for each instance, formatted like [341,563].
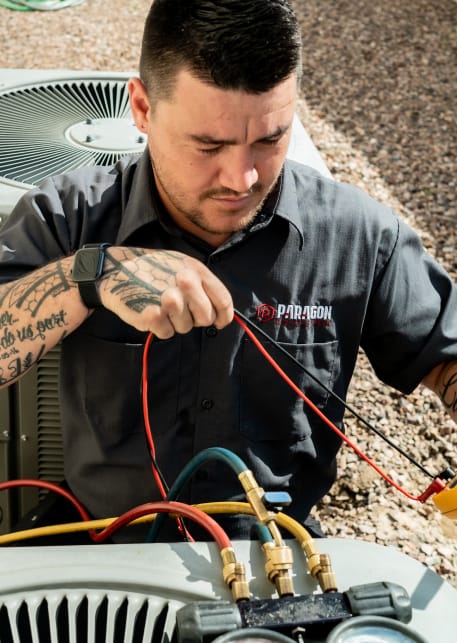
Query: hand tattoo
[135,291]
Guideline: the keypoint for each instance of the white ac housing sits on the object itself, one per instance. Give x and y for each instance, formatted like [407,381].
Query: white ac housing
[131,593]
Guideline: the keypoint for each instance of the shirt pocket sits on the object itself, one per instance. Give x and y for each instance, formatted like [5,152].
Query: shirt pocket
[102,385]
[269,408]
[112,389]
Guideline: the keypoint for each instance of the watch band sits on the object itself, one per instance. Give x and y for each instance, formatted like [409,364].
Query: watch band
[89,294]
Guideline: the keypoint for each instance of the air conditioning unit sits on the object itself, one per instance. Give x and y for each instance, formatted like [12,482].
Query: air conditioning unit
[138,593]
[53,121]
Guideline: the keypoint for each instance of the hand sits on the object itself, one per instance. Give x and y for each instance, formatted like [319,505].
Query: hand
[163,291]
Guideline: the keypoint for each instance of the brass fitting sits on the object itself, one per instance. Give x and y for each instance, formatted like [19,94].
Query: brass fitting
[254,495]
[327,577]
[234,575]
[279,560]
[313,557]
[320,566]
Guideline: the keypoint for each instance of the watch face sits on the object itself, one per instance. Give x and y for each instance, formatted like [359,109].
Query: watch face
[88,264]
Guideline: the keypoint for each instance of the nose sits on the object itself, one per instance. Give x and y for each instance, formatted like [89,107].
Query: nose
[238,171]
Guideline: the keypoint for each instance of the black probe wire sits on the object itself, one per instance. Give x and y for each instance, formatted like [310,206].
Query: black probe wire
[348,407]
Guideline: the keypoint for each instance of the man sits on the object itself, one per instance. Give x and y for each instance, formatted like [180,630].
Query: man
[213,218]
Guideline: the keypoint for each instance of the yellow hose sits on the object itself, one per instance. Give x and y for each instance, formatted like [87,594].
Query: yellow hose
[295,528]
[65,528]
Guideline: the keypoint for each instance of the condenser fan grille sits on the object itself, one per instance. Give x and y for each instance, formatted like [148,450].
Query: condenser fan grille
[53,127]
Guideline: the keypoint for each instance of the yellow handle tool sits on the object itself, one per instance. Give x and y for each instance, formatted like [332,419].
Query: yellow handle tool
[446,500]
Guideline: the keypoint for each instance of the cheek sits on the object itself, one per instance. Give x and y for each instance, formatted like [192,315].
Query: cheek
[269,165]
[201,173]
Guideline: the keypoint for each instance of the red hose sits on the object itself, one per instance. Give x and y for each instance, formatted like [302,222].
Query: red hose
[10,484]
[172,507]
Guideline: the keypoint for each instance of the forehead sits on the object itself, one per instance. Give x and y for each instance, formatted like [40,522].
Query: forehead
[195,107]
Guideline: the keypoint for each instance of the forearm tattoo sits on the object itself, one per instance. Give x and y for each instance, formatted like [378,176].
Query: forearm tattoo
[30,294]
[448,392]
[137,291]
[23,343]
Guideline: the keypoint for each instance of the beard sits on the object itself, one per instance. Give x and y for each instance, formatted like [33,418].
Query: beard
[212,219]
[198,218]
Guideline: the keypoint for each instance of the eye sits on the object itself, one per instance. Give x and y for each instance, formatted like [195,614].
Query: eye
[210,151]
[271,141]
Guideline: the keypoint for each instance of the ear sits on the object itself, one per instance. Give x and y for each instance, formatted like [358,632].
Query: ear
[139,103]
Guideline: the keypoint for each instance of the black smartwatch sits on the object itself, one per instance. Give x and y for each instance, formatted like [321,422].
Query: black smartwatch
[87,269]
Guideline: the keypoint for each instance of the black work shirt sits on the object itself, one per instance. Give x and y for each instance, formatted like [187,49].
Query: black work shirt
[323,270]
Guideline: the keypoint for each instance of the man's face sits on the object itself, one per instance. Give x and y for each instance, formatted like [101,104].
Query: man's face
[216,153]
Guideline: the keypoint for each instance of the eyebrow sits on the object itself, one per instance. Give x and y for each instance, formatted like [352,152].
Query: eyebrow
[206,139]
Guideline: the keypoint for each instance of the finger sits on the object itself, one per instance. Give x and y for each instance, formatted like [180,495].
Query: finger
[176,310]
[164,330]
[221,300]
[212,305]
[199,306]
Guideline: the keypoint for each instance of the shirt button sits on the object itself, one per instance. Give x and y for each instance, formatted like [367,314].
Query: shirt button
[207,404]
[211,331]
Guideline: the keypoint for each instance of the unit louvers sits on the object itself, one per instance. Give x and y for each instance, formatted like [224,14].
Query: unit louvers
[49,447]
[90,615]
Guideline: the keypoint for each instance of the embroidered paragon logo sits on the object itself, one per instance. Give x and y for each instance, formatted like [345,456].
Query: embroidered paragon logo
[295,314]
[266,313]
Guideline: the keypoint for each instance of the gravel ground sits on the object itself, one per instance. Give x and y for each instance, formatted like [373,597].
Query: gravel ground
[378,98]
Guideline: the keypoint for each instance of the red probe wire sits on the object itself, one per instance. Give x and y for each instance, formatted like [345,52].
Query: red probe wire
[436,485]
[155,469]
[150,439]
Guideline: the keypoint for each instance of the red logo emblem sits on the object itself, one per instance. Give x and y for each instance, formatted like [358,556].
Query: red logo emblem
[265,313]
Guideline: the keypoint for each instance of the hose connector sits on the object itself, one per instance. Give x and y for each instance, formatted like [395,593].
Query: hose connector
[313,557]
[279,560]
[234,574]
[326,576]
[254,495]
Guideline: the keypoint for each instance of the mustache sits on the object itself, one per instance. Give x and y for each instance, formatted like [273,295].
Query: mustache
[227,192]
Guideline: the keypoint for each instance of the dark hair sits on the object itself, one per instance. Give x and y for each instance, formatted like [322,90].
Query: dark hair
[249,45]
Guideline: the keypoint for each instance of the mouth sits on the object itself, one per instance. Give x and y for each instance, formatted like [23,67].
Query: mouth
[235,202]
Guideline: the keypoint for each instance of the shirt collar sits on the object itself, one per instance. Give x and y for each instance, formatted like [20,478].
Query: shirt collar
[287,205]
[143,203]
[283,203]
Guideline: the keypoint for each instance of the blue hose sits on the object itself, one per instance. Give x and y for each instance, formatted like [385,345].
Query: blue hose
[213,453]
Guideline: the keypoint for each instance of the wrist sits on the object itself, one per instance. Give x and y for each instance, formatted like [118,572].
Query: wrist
[88,264]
